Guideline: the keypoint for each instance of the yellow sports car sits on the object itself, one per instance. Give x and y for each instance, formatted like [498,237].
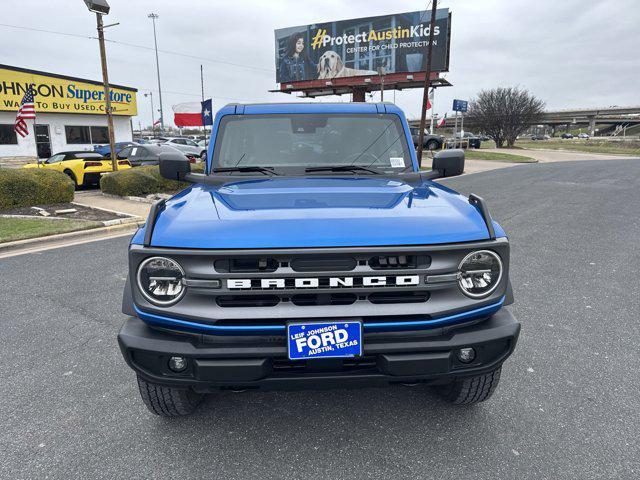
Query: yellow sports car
[83,167]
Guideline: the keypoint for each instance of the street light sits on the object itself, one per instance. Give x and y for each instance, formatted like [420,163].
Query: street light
[100,8]
[153,17]
[153,114]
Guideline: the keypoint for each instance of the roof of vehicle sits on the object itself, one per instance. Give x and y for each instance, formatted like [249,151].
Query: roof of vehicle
[84,153]
[311,107]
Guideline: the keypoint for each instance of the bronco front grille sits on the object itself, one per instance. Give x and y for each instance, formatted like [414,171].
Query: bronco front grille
[320,280]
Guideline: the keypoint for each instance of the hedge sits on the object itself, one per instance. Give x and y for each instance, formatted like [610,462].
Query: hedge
[25,187]
[141,181]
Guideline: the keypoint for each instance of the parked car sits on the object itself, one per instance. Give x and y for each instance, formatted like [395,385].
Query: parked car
[540,137]
[141,141]
[474,141]
[186,146]
[566,135]
[339,263]
[430,142]
[583,135]
[82,166]
[142,155]
[105,151]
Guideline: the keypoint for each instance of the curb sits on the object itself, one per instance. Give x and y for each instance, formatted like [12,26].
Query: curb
[61,237]
[150,201]
[104,223]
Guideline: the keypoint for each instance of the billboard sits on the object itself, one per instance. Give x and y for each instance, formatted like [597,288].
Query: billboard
[61,94]
[359,47]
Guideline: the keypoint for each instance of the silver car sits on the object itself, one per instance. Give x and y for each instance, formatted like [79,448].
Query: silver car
[186,146]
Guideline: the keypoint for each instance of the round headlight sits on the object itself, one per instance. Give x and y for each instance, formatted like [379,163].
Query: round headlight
[160,280]
[480,273]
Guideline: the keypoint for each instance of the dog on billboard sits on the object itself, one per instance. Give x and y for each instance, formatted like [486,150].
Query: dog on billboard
[330,65]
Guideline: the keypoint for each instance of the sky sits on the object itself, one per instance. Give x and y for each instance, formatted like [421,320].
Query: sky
[569,53]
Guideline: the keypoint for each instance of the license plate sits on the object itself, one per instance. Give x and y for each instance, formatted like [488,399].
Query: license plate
[324,340]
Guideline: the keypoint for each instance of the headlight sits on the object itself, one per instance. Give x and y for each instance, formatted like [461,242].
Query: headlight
[160,280]
[480,273]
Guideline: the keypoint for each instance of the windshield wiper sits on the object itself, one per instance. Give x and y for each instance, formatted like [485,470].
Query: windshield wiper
[342,168]
[265,170]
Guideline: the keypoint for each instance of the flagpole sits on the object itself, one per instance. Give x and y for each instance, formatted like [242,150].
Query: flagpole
[204,125]
[35,141]
[433,101]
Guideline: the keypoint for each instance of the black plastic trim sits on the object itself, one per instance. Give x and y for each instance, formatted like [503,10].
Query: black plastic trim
[156,208]
[479,202]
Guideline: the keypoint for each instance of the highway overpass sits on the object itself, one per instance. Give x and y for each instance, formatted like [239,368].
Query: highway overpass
[572,118]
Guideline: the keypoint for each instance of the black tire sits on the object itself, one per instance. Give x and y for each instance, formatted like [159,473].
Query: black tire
[167,401]
[433,145]
[70,174]
[470,390]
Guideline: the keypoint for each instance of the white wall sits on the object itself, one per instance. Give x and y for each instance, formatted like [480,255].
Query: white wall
[26,146]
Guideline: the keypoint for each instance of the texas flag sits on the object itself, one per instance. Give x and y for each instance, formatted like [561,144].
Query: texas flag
[192,114]
[206,112]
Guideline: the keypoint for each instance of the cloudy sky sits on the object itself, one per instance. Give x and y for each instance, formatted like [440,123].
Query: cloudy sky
[570,53]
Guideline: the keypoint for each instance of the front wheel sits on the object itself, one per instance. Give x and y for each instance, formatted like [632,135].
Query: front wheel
[433,145]
[470,390]
[168,401]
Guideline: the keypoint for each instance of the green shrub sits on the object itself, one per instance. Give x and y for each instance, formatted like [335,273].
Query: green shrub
[141,181]
[25,187]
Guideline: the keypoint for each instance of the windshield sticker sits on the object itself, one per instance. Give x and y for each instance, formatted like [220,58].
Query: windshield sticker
[397,162]
[135,149]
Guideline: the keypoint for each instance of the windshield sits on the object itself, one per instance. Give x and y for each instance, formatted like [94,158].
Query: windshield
[298,141]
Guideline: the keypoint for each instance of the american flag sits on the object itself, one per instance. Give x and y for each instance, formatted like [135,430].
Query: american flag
[27,111]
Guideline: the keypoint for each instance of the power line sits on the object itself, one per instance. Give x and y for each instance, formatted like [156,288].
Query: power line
[143,47]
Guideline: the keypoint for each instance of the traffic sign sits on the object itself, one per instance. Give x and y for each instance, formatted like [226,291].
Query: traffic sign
[460,105]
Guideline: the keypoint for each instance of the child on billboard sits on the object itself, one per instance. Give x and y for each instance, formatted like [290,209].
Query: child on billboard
[296,65]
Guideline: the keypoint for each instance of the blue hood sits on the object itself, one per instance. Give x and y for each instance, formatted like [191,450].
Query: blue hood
[316,212]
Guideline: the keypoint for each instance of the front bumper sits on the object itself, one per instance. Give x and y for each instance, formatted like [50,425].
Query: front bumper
[216,362]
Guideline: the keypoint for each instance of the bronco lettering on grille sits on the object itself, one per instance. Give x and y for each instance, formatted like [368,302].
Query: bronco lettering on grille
[322,282]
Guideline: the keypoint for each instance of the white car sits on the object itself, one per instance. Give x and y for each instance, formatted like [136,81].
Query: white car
[583,135]
[186,146]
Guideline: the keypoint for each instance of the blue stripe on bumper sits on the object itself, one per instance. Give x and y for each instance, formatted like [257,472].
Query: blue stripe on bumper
[169,322]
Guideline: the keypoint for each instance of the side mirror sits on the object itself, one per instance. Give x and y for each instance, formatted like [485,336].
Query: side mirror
[174,165]
[449,163]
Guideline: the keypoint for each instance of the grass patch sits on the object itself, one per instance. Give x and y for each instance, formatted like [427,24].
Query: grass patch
[21,228]
[588,146]
[497,157]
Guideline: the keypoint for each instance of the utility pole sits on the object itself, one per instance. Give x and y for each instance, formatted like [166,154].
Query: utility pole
[153,17]
[425,93]
[107,92]
[381,72]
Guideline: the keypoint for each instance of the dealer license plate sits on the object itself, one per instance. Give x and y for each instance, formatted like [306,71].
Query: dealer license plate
[324,340]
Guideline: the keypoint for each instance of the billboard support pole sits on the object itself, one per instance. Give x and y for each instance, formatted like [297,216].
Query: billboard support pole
[381,73]
[427,77]
[359,94]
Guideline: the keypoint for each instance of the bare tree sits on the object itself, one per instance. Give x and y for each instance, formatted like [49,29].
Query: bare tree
[503,113]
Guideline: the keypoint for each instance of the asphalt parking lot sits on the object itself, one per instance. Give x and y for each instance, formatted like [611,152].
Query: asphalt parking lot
[567,405]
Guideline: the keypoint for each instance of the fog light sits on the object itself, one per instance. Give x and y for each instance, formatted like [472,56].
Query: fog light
[177,364]
[466,355]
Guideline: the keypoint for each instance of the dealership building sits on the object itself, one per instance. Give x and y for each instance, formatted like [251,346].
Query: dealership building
[69,113]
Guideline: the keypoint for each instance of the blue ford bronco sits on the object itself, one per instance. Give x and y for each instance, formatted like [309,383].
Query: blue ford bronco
[313,252]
